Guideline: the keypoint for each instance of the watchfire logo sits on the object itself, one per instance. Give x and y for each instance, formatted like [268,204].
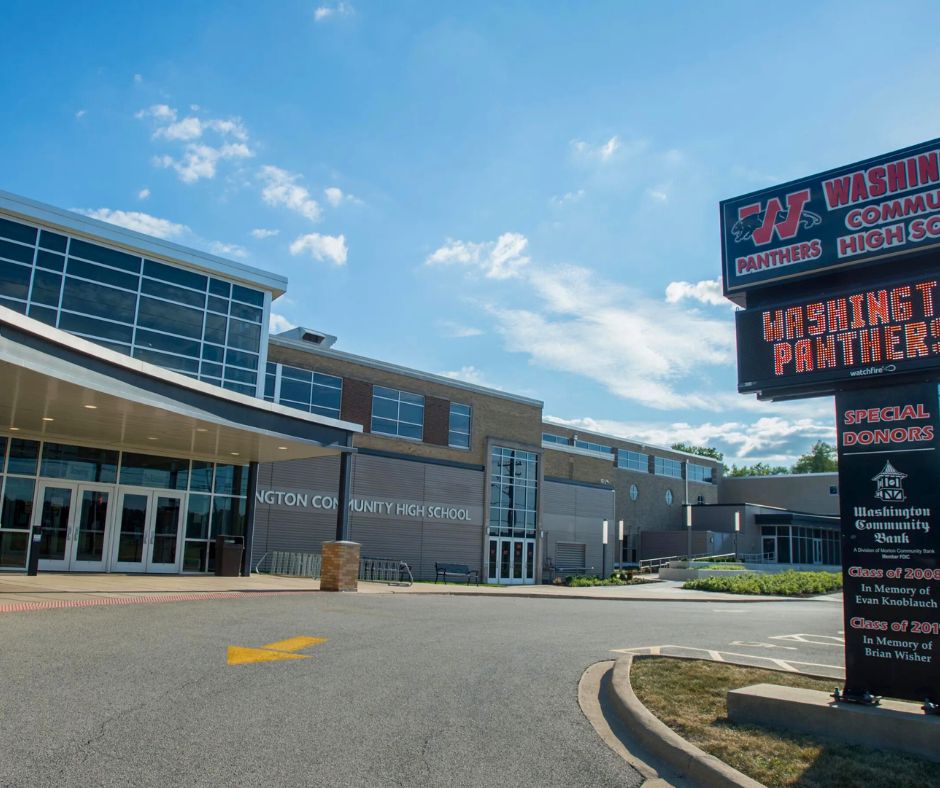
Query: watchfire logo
[761,223]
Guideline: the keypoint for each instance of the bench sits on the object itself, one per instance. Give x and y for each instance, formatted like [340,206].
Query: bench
[442,570]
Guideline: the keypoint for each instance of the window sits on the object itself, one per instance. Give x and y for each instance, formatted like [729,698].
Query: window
[633,461]
[669,498]
[833,489]
[634,492]
[600,448]
[458,428]
[397,413]
[304,389]
[548,437]
[664,467]
[513,492]
[700,500]
[110,297]
[699,473]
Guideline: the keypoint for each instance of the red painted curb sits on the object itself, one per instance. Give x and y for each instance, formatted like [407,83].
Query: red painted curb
[142,599]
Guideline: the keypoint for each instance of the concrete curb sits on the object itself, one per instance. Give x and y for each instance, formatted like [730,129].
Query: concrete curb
[664,743]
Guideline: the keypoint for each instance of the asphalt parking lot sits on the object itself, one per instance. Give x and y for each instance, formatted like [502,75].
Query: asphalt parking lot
[405,690]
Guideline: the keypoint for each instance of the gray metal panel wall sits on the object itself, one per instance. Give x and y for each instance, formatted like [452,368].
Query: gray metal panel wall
[419,539]
[572,513]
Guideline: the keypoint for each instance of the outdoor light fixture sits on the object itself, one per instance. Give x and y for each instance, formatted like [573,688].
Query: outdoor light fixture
[737,521]
[48,418]
[90,407]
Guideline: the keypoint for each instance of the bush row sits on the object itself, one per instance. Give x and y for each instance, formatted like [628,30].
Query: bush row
[789,583]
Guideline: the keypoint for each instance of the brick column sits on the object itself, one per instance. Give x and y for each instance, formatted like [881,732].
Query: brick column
[340,569]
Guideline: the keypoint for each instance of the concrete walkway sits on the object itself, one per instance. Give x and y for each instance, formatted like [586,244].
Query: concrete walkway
[20,593]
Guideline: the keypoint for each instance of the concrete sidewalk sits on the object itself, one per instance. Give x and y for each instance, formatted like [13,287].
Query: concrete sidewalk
[50,590]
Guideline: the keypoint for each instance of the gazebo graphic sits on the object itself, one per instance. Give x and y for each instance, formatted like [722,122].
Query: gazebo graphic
[888,483]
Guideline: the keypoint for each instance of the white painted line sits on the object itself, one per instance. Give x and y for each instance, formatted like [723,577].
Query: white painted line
[716,656]
[784,665]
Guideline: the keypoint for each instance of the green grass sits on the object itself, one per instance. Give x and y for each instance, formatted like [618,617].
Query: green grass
[725,567]
[690,697]
[789,583]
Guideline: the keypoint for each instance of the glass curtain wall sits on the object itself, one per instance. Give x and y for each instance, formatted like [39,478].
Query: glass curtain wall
[167,315]
[513,492]
[216,494]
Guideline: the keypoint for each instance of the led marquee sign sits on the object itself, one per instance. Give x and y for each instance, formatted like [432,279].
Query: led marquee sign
[884,207]
[889,328]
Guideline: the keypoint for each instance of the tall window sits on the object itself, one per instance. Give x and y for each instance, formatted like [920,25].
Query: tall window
[633,460]
[548,437]
[513,492]
[397,413]
[664,467]
[164,314]
[303,389]
[458,428]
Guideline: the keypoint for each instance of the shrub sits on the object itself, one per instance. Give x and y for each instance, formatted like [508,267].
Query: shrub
[789,583]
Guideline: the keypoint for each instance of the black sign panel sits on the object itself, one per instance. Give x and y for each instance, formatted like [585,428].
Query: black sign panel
[883,207]
[889,482]
[813,342]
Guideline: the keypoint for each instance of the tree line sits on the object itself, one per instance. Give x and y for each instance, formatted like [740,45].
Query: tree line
[819,459]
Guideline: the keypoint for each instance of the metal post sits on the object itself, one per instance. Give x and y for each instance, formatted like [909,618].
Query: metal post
[342,510]
[32,568]
[249,518]
[688,527]
[737,529]
[604,553]
[620,541]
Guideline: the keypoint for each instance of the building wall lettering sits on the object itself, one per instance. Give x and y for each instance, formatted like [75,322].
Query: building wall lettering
[306,500]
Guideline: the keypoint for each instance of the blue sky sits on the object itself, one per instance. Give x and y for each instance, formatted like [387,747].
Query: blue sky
[520,194]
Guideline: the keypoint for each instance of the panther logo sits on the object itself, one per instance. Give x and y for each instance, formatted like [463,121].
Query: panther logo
[743,229]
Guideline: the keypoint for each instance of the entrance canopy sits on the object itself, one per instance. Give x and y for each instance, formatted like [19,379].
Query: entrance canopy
[58,387]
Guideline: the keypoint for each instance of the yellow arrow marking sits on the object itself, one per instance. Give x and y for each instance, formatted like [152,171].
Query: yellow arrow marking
[272,652]
[239,655]
[294,644]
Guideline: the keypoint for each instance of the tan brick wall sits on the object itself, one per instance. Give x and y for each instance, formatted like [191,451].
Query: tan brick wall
[492,415]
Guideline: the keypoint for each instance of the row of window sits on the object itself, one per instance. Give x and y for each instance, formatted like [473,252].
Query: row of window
[638,461]
[394,412]
[179,319]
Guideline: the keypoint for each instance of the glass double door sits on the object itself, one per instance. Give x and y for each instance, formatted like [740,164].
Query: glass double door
[98,528]
[511,561]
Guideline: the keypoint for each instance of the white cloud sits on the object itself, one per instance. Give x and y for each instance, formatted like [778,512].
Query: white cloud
[80,114]
[201,161]
[324,12]
[199,158]
[500,259]
[143,194]
[707,291]
[638,348]
[278,323]
[281,189]
[658,194]
[453,330]
[470,374]
[334,195]
[162,112]
[262,232]
[322,247]
[228,250]
[138,222]
[568,198]
[138,78]
[605,151]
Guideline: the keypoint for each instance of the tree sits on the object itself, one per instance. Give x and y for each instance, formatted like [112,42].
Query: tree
[701,451]
[758,469]
[820,459]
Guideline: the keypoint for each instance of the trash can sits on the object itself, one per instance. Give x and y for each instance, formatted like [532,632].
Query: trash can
[228,555]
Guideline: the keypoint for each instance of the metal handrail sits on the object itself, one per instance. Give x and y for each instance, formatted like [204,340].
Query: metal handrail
[658,563]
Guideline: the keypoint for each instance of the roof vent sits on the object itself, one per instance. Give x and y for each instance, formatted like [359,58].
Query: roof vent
[308,335]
